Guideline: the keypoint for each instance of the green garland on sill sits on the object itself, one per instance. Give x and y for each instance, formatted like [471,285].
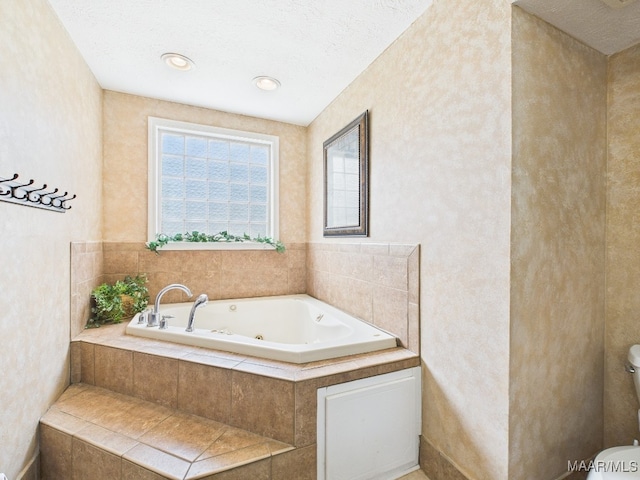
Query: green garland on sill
[162,239]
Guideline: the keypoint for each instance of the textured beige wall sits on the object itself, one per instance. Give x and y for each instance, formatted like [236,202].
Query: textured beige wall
[50,130]
[557,238]
[126,161]
[623,238]
[440,102]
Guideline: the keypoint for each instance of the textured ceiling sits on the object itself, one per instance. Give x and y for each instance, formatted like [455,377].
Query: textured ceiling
[608,30]
[315,48]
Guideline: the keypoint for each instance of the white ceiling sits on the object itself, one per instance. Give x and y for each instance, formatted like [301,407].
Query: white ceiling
[315,48]
[606,29]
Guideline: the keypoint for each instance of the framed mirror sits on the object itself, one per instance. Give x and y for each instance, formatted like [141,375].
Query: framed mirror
[346,180]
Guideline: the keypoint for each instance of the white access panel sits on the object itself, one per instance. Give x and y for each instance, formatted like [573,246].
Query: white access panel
[369,429]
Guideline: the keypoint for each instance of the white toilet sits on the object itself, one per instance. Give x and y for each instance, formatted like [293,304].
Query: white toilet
[621,463]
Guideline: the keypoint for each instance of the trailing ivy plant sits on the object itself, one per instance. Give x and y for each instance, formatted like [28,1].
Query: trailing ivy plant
[112,303]
[162,239]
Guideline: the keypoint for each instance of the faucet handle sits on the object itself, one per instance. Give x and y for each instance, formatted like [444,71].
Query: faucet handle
[142,318]
[164,322]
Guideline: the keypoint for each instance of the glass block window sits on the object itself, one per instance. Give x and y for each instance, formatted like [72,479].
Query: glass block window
[210,180]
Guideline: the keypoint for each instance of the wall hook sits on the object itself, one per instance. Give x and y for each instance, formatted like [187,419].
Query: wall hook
[33,195]
[19,192]
[15,175]
[13,192]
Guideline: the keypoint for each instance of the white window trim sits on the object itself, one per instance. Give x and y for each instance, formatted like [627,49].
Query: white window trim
[156,124]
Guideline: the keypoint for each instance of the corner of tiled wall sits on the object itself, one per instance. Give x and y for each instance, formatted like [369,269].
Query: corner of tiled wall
[86,274]
[378,283]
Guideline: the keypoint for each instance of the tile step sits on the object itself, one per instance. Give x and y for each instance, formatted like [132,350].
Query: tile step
[95,433]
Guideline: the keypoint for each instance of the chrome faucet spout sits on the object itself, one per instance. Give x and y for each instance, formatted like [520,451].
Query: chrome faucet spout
[153,316]
[201,301]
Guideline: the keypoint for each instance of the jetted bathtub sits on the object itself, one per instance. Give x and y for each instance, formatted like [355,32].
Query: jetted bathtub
[291,328]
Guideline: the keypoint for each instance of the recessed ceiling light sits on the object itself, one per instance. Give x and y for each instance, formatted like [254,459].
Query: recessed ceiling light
[266,83]
[177,61]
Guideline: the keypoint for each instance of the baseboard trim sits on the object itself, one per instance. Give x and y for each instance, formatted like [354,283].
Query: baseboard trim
[32,470]
[436,465]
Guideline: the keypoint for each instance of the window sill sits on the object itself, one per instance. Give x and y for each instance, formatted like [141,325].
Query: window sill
[216,246]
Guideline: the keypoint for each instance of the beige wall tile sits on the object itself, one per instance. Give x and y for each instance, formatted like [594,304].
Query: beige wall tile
[306,401]
[296,280]
[75,374]
[32,470]
[91,462]
[260,470]
[63,422]
[205,390]
[242,283]
[359,282]
[86,273]
[390,271]
[155,379]
[55,454]
[184,436]
[168,261]
[233,439]
[157,461]
[131,471]
[391,312]
[437,466]
[113,369]
[414,328]
[263,405]
[208,282]
[206,261]
[219,274]
[413,275]
[87,363]
[120,262]
[111,442]
[299,464]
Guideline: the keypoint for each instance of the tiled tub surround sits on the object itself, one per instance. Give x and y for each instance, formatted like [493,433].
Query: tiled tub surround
[377,282]
[253,397]
[264,398]
[218,273]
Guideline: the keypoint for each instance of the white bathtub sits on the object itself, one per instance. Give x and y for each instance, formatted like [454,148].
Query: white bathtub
[291,328]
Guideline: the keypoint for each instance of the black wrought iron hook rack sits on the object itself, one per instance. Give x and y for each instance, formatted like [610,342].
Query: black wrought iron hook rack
[14,191]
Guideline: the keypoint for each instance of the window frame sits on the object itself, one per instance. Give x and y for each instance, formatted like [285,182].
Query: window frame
[157,125]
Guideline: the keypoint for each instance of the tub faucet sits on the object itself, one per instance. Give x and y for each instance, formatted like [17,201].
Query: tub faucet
[201,301]
[153,316]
